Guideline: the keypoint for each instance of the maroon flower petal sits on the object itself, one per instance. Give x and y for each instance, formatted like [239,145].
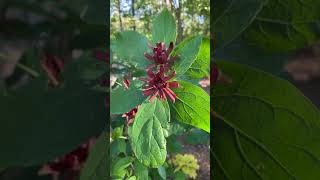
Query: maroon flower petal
[171,94]
[149,91]
[126,83]
[173,84]
[170,48]
[149,57]
[151,74]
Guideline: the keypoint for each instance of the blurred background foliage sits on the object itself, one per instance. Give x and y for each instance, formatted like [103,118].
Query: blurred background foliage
[192,16]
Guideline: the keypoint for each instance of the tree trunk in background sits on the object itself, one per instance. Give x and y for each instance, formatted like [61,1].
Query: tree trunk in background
[133,14]
[179,21]
[119,11]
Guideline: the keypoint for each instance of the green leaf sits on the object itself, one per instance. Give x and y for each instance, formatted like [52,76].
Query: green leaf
[146,134]
[117,132]
[130,47]
[192,106]
[162,172]
[119,167]
[96,12]
[96,166]
[123,100]
[232,17]
[201,66]
[118,146]
[32,115]
[141,171]
[187,51]
[264,128]
[164,28]
[132,178]
[286,25]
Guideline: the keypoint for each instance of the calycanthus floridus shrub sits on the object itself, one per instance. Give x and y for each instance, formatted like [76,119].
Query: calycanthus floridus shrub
[157,87]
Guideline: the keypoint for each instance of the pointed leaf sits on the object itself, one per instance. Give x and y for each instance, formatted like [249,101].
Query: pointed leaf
[146,134]
[96,166]
[192,106]
[187,52]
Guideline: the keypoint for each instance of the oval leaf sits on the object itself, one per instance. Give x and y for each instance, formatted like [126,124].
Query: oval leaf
[130,47]
[164,28]
[192,106]
[146,134]
[264,128]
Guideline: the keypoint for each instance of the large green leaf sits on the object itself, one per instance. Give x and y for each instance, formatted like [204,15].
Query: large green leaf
[264,128]
[123,100]
[232,17]
[164,28]
[147,135]
[49,122]
[96,166]
[192,106]
[201,66]
[187,52]
[130,47]
[285,25]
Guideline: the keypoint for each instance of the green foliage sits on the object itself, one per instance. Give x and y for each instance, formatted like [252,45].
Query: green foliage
[192,106]
[141,171]
[123,100]
[164,28]
[187,52]
[285,25]
[267,133]
[146,135]
[40,112]
[97,165]
[201,66]
[130,46]
[231,18]
[145,139]
[118,169]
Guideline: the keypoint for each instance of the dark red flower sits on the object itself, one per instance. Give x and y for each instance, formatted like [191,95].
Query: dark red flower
[161,55]
[218,76]
[158,85]
[53,67]
[126,83]
[131,115]
[72,161]
[214,74]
